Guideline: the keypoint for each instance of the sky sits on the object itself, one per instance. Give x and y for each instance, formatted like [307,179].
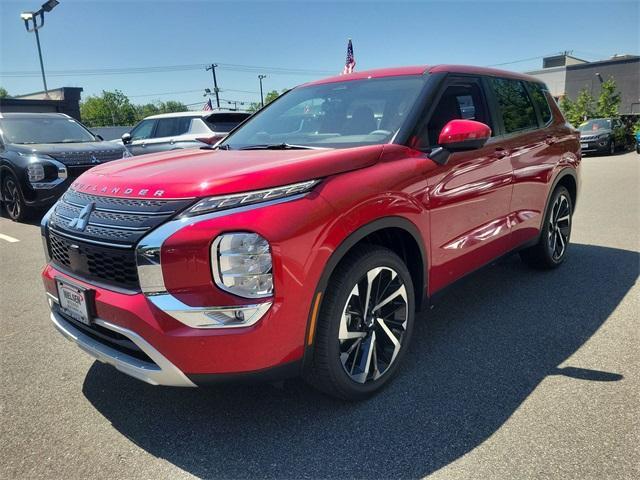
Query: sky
[291,42]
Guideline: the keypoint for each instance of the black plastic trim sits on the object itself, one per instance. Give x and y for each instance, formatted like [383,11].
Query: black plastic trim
[272,374]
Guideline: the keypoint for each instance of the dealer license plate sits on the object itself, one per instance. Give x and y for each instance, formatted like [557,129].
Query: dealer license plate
[73,301]
[584,145]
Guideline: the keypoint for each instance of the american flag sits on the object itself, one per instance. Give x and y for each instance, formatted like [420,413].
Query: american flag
[207,106]
[350,64]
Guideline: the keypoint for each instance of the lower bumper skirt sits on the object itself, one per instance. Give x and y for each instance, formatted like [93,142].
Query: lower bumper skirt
[160,372]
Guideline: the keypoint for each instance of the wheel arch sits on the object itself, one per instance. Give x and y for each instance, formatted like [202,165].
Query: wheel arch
[397,234]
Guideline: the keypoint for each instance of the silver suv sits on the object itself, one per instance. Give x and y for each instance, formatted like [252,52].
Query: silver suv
[172,131]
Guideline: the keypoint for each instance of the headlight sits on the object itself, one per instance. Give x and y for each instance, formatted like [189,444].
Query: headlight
[223,202]
[603,136]
[241,264]
[35,172]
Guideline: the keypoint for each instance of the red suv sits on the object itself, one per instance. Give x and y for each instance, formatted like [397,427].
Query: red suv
[306,241]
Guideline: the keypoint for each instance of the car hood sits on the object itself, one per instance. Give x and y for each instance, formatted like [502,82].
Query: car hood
[199,173]
[74,153]
[596,133]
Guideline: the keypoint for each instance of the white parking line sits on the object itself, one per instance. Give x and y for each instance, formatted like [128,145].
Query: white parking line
[8,238]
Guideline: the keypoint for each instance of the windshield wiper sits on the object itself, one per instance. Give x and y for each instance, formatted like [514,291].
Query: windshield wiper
[276,146]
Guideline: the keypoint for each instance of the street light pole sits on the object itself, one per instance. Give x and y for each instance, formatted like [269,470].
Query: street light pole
[44,79]
[33,18]
[260,77]
[212,67]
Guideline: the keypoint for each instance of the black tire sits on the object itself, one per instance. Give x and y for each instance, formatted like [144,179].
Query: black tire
[13,200]
[328,369]
[555,234]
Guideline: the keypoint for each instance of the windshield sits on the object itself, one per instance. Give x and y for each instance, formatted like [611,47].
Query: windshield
[595,125]
[44,130]
[332,115]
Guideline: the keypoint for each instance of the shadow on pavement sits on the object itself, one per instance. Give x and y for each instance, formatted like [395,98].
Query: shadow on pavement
[475,359]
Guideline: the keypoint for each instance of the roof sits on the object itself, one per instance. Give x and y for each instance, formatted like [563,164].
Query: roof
[422,69]
[193,113]
[33,115]
[378,73]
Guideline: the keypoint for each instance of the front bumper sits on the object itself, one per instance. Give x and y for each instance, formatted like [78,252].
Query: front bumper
[599,146]
[157,371]
[178,355]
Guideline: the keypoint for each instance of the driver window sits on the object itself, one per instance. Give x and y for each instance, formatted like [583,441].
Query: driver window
[143,130]
[460,101]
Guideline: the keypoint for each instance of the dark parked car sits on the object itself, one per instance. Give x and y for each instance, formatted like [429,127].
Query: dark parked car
[603,135]
[41,154]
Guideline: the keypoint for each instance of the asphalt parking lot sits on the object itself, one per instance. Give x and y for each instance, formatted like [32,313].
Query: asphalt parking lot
[515,374]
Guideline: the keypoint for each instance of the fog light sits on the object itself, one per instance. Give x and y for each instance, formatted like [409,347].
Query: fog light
[242,264]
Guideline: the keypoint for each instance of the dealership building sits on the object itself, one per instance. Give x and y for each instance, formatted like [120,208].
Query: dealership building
[566,75]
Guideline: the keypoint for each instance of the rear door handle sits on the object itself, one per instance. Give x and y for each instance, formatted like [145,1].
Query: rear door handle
[550,140]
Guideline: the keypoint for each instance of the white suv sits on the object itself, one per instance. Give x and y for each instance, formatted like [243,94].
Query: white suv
[172,131]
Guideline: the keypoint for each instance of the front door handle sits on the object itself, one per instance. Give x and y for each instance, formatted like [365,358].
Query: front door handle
[500,153]
[550,140]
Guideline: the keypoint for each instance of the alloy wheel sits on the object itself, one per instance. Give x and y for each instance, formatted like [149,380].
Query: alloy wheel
[612,147]
[12,198]
[559,227]
[373,325]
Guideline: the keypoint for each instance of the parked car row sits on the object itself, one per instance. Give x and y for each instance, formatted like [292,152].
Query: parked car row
[41,154]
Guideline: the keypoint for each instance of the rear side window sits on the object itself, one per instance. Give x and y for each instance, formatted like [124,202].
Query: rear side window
[540,100]
[514,104]
[170,127]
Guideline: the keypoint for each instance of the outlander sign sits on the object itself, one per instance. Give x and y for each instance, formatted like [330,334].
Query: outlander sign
[133,192]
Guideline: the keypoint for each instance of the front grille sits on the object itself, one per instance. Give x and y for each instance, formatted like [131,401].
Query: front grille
[588,138]
[93,262]
[103,249]
[87,158]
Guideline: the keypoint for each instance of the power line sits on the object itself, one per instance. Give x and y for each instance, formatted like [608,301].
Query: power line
[167,68]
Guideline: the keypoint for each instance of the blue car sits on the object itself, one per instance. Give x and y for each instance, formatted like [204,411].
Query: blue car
[638,141]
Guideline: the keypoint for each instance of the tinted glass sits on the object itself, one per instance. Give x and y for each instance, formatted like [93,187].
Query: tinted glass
[225,122]
[171,127]
[462,100]
[143,130]
[514,104]
[337,115]
[539,98]
[44,130]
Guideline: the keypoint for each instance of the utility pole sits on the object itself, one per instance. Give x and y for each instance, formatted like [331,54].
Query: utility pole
[260,77]
[212,67]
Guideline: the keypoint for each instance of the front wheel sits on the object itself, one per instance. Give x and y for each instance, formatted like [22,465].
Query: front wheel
[364,326]
[612,147]
[551,249]
[13,200]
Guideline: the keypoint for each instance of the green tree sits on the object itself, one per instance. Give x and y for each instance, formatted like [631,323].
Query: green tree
[3,93]
[268,98]
[110,108]
[582,109]
[609,100]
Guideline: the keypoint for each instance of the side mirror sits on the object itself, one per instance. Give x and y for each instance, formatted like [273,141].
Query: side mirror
[459,136]
[126,138]
[99,137]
